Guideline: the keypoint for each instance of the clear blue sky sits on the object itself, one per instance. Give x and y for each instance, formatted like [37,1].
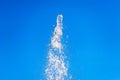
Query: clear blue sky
[93,43]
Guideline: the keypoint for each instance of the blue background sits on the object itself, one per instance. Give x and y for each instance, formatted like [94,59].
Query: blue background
[91,35]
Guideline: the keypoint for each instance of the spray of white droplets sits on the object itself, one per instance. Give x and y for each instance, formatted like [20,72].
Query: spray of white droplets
[56,67]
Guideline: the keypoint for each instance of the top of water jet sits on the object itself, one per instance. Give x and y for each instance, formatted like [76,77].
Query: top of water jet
[59,19]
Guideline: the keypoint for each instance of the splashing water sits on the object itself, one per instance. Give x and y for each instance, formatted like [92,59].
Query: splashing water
[56,67]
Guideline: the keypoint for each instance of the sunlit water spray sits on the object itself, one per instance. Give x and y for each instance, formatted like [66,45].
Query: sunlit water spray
[56,67]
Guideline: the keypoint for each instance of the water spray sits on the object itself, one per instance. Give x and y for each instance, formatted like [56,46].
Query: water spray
[56,67]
